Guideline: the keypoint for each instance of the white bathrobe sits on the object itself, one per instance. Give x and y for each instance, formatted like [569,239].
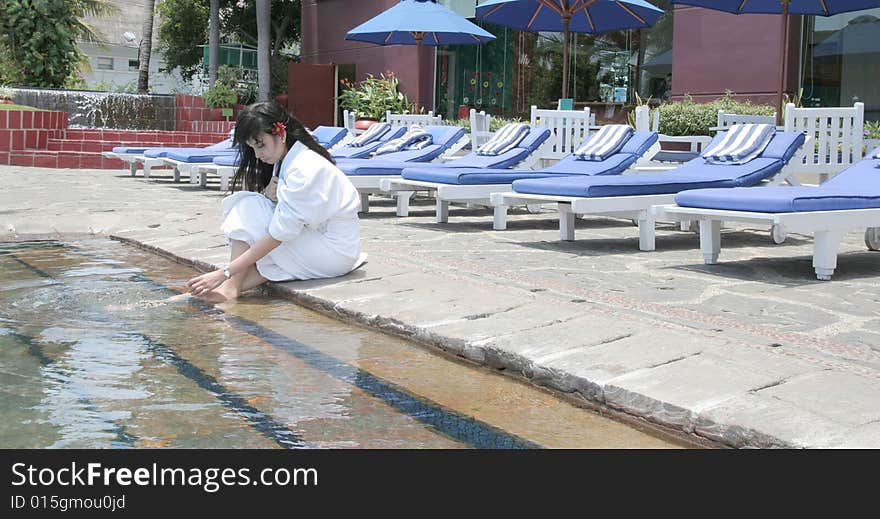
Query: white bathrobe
[315,219]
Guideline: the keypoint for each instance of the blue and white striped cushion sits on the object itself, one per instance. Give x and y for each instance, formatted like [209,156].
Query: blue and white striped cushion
[505,139]
[605,142]
[415,138]
[740,144]
[371,134]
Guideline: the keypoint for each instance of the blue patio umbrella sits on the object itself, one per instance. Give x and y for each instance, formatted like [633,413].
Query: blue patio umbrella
[419,22]
[783,7]
[565,16]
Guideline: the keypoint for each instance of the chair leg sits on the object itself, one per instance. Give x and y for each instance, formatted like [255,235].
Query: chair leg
[710,240]
[566,222]
[825,250]
[224,181]
[646,231]
[203,177]
[132,167]
[147,168]
[499,218]
[442,214]
[403,202]
[365,202]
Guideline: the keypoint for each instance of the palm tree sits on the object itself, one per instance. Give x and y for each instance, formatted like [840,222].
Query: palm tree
[146,48]
[264,35]
[213,42]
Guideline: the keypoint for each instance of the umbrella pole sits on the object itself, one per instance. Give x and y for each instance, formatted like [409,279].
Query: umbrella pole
[782,47]
[419,37]
[566,19]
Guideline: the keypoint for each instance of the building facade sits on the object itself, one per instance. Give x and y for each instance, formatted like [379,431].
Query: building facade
[692,52]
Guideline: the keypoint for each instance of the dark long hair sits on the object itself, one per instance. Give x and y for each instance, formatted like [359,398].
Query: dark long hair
[254,174]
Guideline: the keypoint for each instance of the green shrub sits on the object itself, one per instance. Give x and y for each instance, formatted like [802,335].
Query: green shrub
[690,118]
[220,96]
[872,129]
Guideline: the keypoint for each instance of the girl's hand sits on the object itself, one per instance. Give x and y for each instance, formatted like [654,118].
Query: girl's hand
[206,282]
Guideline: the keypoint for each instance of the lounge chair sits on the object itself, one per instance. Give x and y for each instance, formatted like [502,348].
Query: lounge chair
[187,159]
[366,174]
[475,185]
[632,196]
[848,201]
[154,156]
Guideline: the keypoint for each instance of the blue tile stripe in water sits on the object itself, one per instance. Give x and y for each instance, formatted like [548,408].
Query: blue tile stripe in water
[454,425]
[123,438]
[259,421]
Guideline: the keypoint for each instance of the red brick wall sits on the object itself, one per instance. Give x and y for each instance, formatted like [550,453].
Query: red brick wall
[21,129]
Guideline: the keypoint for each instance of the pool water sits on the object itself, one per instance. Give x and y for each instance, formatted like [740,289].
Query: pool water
[93,355]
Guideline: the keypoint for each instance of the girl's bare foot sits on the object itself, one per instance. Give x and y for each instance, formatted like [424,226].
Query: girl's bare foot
[221,294]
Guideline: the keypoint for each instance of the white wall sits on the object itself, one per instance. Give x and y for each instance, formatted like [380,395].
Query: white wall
[121,77]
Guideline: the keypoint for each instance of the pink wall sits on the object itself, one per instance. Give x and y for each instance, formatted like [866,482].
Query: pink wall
[715,51]
[325,23]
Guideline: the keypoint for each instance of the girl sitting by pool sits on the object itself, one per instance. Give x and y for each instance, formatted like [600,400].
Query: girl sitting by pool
[292,214]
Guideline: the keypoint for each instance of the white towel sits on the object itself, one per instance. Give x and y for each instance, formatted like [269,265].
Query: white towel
[740,144]
[506,138]
[372,133]
[605,142]
[415,138]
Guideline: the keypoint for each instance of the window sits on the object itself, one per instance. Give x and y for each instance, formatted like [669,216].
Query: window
[133,65]
[105,63]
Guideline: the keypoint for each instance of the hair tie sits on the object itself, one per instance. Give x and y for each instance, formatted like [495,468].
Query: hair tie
[279,128]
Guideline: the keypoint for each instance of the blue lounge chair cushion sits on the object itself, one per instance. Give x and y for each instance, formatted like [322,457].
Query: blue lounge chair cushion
[638,144]
[695,174]
[155,153]
[129,150]
[857,187]
[197,155]
[230,159]
[329,136]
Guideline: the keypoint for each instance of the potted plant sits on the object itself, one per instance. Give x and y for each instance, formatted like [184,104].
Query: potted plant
[372,97]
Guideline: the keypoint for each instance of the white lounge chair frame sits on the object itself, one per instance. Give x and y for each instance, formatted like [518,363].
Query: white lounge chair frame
[428,119]
[568,129]
[637,208]
[481,124]
[726,120]
[827,227]
[831,129]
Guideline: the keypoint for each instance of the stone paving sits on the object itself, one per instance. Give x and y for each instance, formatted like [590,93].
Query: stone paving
[752,352]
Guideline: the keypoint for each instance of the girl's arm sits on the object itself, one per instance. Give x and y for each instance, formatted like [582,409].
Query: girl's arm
[211,280]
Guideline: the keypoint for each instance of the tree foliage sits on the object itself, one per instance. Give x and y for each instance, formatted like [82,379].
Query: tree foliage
[38,41]
[185,26]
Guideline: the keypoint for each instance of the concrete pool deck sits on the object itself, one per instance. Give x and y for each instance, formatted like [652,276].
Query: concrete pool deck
[752,352]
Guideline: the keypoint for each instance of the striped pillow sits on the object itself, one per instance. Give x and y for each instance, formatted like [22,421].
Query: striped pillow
[372,133]
[740,144]
[505,139]
[605,142]
[415,138]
